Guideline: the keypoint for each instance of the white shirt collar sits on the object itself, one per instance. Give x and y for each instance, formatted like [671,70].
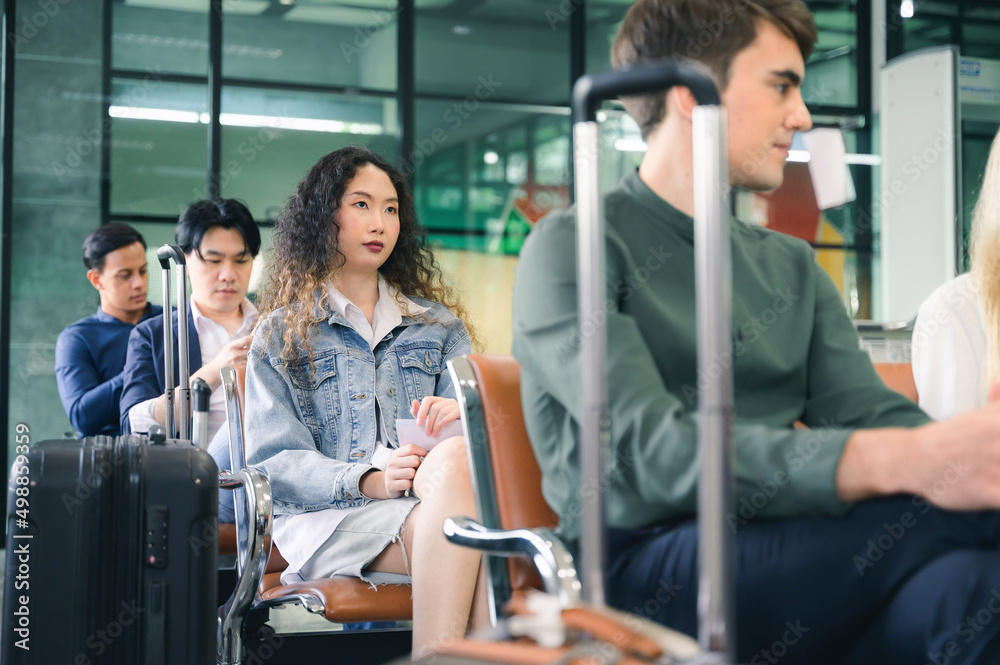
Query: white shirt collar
[389,300]
[389,311]
[201,322]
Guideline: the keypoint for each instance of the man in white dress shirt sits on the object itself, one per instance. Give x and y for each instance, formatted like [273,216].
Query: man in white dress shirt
[220,240]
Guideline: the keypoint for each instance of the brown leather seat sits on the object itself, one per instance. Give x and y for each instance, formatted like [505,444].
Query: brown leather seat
[346,599]
[517,480]
[899,377]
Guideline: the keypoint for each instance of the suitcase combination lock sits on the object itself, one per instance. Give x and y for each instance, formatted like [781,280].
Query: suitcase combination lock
[157,518]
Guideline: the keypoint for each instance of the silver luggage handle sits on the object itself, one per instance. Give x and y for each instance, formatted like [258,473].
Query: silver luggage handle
[165,254]
[713,285]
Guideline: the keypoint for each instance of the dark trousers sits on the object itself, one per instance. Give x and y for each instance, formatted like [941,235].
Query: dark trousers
[893,581]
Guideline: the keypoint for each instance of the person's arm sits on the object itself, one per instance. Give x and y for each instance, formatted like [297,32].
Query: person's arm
[279,443]
[947,364]
[142,416]
[456,345]
[140,380]
[953,464]
[90,403]
[233,354]
[843,389]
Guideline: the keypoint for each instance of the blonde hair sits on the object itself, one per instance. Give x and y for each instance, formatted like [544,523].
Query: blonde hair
[984,253]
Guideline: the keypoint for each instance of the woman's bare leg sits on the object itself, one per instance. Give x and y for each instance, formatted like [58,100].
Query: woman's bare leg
[444,576]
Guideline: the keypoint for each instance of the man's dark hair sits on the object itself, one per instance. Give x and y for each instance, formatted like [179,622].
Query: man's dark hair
[711,32]
[106,239]
[200,216]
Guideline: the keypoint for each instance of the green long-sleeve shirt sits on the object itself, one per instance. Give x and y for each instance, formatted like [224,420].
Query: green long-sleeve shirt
[795,357]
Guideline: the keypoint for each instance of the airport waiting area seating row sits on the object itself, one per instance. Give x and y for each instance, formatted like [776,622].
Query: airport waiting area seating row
[514,521]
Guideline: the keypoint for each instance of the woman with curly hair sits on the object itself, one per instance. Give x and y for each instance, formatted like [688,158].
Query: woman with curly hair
[354,331]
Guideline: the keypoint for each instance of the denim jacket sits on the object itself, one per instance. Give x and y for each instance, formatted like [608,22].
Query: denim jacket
[312,430]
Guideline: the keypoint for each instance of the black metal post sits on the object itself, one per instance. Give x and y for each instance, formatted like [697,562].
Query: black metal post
[406,73]
[212,188]
[104,196]
[6,224]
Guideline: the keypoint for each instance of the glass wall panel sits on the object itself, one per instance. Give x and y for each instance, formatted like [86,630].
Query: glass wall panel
[270,138]
[161,35]
[159,146]
[491,176]
[500,49]
[603,19]
[981,38]
[831,72]
[337,44]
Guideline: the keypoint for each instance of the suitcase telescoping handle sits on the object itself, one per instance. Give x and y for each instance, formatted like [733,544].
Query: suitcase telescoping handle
[716,609]
[165,254]
[201,395]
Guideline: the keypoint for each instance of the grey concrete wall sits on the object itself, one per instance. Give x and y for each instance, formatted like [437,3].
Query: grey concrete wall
[56,187]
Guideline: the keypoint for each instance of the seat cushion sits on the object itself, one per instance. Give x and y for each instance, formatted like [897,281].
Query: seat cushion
[348,599]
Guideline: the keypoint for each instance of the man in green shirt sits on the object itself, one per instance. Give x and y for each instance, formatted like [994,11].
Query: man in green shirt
[857,540]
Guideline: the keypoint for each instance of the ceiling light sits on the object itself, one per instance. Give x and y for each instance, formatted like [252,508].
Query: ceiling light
[165,115]
[491,157]
[247,120]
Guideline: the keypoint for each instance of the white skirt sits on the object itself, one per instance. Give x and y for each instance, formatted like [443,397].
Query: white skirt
[358,539]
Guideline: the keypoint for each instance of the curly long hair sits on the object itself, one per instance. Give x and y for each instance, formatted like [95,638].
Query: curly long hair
[306,255]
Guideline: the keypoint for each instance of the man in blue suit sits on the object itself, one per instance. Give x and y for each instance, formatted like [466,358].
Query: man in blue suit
[220,240]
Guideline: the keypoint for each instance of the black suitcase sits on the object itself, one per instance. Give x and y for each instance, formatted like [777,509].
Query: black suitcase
[111,554]
[112,544]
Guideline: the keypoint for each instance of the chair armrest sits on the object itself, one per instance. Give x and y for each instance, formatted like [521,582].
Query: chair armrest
[541,545]
[251,536]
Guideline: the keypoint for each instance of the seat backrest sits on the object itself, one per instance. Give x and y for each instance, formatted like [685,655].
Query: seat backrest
[899,377]
[505,473]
